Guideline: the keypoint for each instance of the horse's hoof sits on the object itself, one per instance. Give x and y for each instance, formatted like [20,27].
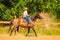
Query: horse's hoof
[26,35]
[36,35]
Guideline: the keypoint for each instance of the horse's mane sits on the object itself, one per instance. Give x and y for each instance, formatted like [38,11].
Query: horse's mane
[33,17]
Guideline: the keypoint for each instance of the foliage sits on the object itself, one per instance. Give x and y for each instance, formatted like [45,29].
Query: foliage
[9,8]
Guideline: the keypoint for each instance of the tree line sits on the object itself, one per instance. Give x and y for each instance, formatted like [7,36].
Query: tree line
[9,8]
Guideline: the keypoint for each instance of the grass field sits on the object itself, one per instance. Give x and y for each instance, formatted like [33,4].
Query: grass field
[50,30]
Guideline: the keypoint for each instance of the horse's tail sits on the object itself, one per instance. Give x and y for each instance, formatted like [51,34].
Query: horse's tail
[11,22]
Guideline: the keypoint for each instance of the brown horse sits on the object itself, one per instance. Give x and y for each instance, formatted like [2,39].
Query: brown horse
[20,22]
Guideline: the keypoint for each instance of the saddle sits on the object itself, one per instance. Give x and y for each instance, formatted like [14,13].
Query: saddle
[23,22]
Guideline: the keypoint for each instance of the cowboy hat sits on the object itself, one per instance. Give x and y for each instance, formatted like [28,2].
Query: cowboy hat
[25,8]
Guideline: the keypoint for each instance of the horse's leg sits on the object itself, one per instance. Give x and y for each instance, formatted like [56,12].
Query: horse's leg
[28,31]
[11,31]
[18,28]
[9,28]
[15,30]
[34,31]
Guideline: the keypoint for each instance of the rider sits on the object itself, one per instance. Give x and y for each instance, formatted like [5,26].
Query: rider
[25,16]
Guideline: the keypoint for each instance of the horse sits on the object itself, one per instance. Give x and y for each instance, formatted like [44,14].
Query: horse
[19,22]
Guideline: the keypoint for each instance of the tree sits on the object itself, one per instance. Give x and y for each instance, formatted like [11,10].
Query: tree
[9,8]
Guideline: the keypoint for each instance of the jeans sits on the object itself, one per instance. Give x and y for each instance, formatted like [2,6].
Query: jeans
[27,19]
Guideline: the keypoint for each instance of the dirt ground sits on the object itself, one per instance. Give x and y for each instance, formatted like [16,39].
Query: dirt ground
[21,37]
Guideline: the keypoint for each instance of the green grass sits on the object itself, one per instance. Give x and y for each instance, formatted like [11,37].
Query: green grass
[4,30]
[52,32]
[46,32]
[58,26]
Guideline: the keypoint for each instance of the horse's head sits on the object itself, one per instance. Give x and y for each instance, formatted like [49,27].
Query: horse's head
[36,16]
